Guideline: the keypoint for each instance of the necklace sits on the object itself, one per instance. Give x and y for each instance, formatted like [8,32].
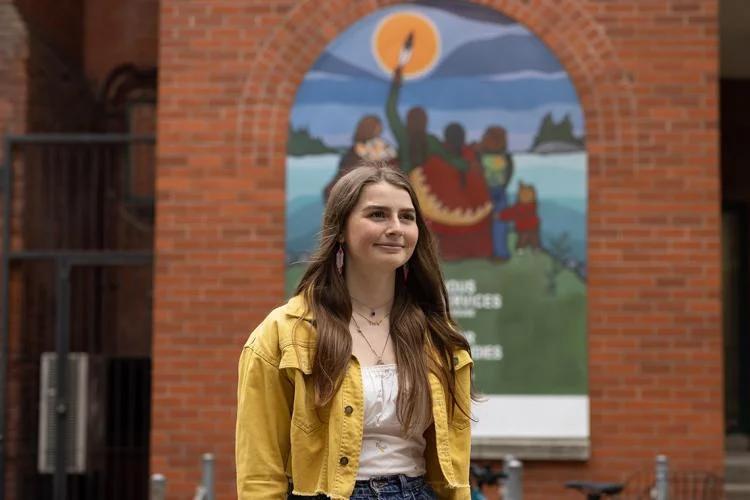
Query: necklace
[373,323]
[379,358]
[372,309]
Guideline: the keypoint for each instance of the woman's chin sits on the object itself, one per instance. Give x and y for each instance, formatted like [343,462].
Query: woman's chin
[386,265]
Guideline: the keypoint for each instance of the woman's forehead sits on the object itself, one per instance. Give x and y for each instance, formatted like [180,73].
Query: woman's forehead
[386,195]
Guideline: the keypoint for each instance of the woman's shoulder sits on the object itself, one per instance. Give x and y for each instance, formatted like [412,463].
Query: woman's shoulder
[461,356]
[289,323]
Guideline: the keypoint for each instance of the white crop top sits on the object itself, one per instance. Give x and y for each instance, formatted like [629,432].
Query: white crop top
[384,450]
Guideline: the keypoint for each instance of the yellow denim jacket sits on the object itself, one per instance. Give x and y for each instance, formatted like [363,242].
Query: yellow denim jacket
[280,435]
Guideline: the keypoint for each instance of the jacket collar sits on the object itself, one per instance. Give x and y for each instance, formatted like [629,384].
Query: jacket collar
[296,306]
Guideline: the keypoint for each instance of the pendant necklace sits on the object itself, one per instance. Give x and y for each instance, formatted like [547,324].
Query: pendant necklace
[380,357]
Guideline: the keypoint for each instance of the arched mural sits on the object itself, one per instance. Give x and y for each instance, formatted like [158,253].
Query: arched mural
[487,124]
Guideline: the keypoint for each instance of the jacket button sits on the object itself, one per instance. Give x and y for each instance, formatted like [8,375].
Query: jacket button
[455,360]
[348,410]
[343,461]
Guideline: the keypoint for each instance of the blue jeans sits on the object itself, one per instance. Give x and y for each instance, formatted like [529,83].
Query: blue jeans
[399,487]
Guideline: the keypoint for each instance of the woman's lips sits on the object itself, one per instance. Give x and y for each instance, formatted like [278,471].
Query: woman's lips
[388,246]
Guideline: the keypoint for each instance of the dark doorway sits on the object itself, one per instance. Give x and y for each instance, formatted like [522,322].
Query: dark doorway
[735,137]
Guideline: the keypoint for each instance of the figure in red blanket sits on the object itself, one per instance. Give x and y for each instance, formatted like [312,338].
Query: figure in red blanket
[524,216]
[447,178]
[456,201]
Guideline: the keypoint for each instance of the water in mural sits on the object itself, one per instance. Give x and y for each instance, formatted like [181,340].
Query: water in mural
[487,124]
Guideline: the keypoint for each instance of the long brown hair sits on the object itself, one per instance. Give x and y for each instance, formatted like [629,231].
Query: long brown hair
[420,315]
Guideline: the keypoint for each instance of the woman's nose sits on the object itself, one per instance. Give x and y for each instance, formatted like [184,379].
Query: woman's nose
[395,226]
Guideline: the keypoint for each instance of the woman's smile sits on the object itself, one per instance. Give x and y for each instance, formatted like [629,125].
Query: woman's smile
[390,247]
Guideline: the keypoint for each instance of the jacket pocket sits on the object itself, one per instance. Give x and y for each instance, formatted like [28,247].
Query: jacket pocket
[297,360]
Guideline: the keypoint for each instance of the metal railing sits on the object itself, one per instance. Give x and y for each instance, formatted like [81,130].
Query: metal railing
[78,191]
[510,479]
[659,482]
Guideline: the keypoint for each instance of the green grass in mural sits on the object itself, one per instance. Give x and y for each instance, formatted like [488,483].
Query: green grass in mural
[542,334]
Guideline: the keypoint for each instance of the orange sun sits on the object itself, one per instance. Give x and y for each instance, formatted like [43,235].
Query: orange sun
[390,36]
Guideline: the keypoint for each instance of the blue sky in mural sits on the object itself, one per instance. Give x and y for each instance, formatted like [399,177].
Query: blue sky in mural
[491,70]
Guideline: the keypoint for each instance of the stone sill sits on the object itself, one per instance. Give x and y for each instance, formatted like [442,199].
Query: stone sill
[495,448]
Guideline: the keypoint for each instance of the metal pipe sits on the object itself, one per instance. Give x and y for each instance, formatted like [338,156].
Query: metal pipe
[662,477]
[61,393]
[158,487]
[514,487]
[208,475]
[88,258]
[81,138]
[7,187]
[507,459]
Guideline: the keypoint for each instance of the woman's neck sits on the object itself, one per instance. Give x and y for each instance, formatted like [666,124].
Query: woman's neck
[373,289]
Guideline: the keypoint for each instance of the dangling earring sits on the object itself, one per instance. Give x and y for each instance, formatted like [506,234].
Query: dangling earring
[340,259]
[406,271]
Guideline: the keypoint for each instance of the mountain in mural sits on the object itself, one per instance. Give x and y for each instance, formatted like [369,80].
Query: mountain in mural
[503,54]
[556,137]
[329,63]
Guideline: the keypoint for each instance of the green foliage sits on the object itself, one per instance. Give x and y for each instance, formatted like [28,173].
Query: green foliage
[551,132]
[559,249]
[302,143]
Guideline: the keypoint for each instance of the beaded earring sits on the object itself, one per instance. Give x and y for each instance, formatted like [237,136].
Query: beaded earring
[340,259]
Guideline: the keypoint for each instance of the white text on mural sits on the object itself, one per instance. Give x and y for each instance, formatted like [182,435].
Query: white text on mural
[465,300]
[493,352]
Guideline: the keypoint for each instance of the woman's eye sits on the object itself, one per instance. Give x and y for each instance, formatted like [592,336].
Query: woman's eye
[408,217]
[377,214]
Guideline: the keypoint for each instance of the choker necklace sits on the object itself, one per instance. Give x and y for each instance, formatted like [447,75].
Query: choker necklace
[372,322]
[372,309]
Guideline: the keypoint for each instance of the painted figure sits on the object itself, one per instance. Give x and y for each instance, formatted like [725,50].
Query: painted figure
[525,218]
[448,179]
[367,144]
[498,170]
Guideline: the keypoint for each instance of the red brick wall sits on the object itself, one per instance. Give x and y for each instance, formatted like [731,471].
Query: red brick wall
[13,54]
[13,79]
[646,75]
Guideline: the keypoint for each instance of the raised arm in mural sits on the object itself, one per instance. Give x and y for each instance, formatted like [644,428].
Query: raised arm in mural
[446,174]
[415,144]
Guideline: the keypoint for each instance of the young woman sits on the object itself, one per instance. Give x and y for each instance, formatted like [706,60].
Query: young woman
[360,386]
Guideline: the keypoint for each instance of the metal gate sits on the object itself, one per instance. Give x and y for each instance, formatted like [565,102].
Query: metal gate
[76,315]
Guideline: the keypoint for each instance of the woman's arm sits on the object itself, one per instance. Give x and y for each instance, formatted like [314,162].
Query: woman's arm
[264,408]
[394,121]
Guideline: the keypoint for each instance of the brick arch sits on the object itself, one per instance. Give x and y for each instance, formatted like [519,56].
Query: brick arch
[571,33]
[578,40]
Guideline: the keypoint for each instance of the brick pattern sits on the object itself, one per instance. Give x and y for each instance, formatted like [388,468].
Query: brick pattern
[646,75]
[13,79]
[13,54]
